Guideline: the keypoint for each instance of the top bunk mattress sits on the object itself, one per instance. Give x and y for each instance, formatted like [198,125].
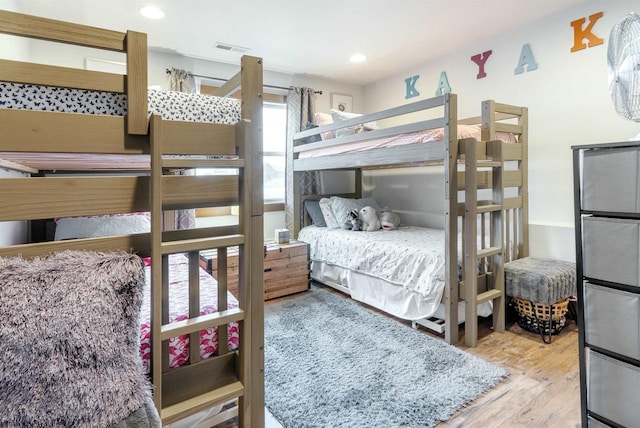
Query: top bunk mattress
[419,137]
[171,105]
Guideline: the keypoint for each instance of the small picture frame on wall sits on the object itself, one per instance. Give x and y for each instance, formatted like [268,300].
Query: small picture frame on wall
[342,102]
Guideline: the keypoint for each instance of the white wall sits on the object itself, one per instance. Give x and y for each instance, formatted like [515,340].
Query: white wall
[12,47]
[569,104]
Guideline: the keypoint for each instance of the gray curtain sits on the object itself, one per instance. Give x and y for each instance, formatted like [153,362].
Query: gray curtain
[301,106]
[183,81]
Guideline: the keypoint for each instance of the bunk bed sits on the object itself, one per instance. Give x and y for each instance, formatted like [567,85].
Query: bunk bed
[465,261]
[144,142]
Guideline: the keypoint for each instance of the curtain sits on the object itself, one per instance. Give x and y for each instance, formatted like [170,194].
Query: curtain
[183,81]
[301,106]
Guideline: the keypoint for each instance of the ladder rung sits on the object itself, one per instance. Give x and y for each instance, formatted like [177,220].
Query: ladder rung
[201,322]
[488,208]
[488,164]
[199,244]
[185,162]
[487,252]
[489,295]
[201,402]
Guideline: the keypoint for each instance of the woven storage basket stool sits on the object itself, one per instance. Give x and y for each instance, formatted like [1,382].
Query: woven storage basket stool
[541,289]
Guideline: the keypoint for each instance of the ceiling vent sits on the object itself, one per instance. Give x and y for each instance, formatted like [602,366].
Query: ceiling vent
[230,48]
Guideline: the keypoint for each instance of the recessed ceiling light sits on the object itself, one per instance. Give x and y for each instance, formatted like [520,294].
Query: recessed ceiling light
[151,12]
[358,58]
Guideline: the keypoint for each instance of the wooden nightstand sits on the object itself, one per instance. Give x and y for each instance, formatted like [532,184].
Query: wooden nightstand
[286,268]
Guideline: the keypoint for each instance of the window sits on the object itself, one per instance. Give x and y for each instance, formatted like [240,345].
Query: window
[274,152]
[275,143]
[274,149]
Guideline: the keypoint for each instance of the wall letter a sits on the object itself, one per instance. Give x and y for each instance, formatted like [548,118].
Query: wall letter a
[411,86]
[480,59]
[579,34]
[526,58]
[443,85]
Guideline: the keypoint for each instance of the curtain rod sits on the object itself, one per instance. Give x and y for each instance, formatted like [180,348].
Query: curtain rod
[224,80]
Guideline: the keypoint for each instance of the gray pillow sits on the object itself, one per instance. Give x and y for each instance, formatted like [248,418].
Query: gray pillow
[343,206]
[314,211]
[339,116]
[70,333]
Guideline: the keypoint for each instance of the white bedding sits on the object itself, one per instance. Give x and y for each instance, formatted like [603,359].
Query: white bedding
[171,105]
[419,137]
[404,269]
[411,258]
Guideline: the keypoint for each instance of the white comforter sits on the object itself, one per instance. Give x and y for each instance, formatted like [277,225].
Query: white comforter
[411,257]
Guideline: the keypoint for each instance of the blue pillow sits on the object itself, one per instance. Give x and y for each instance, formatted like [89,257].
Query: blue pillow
[314,211]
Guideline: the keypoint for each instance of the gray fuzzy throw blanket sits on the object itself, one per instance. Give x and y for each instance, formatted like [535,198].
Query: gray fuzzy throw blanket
[69,337]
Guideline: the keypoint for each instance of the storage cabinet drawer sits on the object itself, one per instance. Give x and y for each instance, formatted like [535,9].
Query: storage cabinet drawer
[612,320]
[612,390]
[610,180]
[611,249]
[597,424]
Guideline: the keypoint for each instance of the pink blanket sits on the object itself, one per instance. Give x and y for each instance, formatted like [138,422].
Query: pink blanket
[179,310]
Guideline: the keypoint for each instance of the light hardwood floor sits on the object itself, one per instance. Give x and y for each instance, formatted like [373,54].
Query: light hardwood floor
[543,386]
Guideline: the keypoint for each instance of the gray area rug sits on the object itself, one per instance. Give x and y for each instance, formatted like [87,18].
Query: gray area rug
[332,363]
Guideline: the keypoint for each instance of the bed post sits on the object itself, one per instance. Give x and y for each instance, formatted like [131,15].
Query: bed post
[137,83]
[358,183]
[523,121]
[296,209]
[251,404]
[451,292]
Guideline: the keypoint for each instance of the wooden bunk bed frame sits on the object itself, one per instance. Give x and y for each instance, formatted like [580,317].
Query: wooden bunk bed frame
[484,169]
[201,384]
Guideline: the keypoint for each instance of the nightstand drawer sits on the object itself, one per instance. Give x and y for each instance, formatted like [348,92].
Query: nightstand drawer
[286,268]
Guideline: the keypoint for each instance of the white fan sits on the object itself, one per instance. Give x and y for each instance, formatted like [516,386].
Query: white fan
[623,62]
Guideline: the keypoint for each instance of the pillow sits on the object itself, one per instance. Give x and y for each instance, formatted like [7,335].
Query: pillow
[343,206]
[101,225]
[314,211]
[327,213]
[324,119]
[312,138]
[339,116]
[70,339]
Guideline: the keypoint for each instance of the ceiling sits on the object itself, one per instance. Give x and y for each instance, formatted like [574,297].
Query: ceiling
[311,37]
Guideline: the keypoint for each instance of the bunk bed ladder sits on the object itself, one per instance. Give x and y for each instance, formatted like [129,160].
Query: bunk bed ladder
[477,259]
[214,380]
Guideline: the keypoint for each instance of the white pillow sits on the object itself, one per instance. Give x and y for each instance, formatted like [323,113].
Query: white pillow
[343,206]
[324,119]
[101,225]
[327,213]
[339,116]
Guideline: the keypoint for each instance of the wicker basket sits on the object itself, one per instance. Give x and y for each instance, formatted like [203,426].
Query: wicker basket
[534,317]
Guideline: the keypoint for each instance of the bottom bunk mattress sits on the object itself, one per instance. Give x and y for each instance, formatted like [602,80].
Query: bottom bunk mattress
[401,272]
[179,310]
